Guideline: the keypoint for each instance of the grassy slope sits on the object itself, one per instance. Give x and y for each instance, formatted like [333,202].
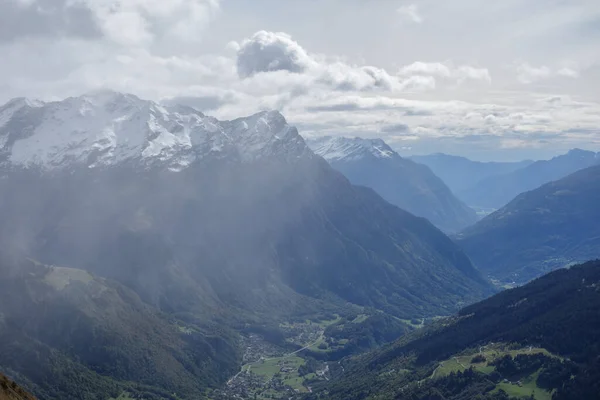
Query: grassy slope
[9,390]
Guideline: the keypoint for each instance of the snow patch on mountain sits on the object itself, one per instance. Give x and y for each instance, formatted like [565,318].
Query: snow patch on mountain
[104,128]
[350,149]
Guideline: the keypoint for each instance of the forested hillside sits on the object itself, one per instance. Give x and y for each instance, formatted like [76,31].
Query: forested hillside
[550,227]
[544,334]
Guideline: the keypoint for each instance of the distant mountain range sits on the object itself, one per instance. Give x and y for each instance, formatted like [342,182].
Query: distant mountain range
[491,185]
[541,230]
[177,228]
[402,182]
[461,174]
[498,190]
[539,340]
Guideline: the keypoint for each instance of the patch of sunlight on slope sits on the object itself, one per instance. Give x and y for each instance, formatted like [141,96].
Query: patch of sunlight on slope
[59,277]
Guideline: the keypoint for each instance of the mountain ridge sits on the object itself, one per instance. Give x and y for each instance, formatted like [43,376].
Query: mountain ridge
[461,173]
[549,227]
[104,128]
[497,191]
[402,182]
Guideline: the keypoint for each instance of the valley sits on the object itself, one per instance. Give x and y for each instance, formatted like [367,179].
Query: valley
[271,372]
[156,253]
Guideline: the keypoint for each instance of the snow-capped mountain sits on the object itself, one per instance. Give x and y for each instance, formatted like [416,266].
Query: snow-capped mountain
[250,217]
[347,149]
[103,128]
[410,186]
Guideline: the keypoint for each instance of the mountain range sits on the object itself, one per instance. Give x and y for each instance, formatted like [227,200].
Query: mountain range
[163,228]
[460,173]
[491,185]
[402,182]
[496,191]
[541,230]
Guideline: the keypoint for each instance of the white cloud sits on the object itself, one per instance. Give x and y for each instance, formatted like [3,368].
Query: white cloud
[528,74]
[466,72]
[276,57]
[445,71]
[410,13]
[568,72]
[271,51]
[419,82]
[423,68]
[166,24]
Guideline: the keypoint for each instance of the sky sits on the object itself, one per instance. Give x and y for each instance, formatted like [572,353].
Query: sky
[504,80]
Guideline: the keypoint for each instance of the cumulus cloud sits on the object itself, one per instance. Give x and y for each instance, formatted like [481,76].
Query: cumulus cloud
[410,13]
[271,51]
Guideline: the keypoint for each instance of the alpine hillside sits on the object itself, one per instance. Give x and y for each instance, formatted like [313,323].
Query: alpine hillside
[402,182]
[537,341]
[541,230]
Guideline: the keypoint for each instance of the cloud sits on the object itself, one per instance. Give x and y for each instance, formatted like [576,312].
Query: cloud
[423,68]
[207,99]
[352,78]
[157,22]
[444,71]
[271,51]
[568,72]
[266,54]
[140,23]
[395,128]
[418,82]
[410,13]
[527,74]
[466,72]
[48,19]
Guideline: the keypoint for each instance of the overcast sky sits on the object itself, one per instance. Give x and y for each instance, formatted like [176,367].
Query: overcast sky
[499,80]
